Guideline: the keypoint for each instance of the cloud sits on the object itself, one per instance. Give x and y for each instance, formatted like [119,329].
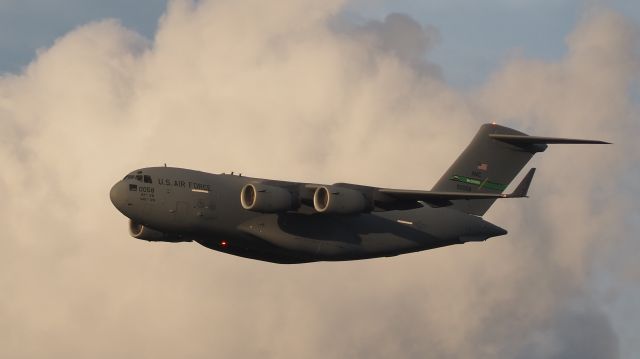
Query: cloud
[280,92]
[397,35]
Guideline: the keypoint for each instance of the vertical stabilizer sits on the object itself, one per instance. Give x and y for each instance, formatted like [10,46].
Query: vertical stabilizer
[487,165]
[491,161]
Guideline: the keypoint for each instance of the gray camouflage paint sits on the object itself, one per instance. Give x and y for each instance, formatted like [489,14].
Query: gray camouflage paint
[181,205]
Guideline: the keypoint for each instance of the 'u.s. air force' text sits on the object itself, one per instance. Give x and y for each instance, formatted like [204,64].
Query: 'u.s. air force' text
[184,184]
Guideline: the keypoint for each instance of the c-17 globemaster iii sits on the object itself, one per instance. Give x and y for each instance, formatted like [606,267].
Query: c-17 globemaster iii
[291,222]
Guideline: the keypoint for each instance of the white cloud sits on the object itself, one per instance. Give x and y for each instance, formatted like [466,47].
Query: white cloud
[277,91]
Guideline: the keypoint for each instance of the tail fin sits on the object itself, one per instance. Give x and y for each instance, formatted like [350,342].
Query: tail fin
[490,162]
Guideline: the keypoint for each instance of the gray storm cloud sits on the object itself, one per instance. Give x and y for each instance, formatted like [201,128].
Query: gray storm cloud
[281,91]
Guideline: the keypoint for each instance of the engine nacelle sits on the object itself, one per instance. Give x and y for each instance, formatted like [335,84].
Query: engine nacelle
[334,199]
[140,231]
[263,198]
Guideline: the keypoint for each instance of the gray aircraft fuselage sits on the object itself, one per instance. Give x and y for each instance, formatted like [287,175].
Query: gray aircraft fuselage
[292,222]
[186,205]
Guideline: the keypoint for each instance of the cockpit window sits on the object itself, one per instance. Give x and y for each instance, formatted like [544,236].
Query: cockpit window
[139,178]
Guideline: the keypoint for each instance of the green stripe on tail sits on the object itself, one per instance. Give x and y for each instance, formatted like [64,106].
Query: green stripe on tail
[479,183]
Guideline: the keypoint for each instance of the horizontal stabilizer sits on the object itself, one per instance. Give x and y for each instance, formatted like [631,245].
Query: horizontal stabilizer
[535,144]
[516,139]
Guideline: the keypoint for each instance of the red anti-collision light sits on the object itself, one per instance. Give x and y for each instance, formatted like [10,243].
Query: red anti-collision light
[224,243]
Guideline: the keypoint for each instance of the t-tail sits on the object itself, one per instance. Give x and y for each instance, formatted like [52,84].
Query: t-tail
[491,161]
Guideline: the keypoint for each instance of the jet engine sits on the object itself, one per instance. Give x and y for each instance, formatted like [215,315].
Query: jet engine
[333,199]
[140,231]
[263,198]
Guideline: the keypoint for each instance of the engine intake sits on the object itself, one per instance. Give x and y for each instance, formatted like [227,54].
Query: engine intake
[263,198]
[141,231]
[334,199]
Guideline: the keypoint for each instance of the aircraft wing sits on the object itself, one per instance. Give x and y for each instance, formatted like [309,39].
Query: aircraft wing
[441,199]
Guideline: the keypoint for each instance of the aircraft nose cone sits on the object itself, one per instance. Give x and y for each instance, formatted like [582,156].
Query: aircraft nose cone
[118,195]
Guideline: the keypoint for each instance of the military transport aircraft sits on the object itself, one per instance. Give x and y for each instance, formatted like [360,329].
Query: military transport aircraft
[290,222]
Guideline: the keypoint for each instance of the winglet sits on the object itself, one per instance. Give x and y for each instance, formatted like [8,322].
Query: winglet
[523,187]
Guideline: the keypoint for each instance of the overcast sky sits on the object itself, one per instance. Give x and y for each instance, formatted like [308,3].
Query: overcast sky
[83,101]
